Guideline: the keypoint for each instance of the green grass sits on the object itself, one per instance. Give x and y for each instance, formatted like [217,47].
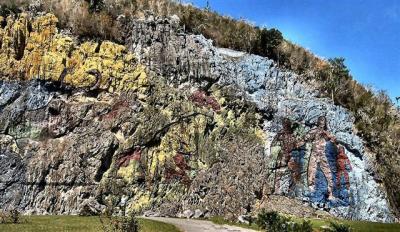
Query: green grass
[154,226]
[221,221]
[360,226]
[92,224]
[357,226]
[76,223]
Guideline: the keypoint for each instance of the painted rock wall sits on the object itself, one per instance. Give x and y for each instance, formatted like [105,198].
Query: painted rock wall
[32,48]
[329,172]
[74,139]
[168,123]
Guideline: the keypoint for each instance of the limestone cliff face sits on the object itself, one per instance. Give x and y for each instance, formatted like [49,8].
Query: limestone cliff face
[33,49]
[169,123]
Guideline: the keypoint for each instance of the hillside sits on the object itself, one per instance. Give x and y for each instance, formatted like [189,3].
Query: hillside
[145,113]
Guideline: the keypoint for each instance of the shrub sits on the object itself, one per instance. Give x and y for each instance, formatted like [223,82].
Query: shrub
[10,7]
[112,223]
[337,227]
[273,222]
[4,218]
[95,5]
[267,218]
[13,216]
[85,19]
[304,226]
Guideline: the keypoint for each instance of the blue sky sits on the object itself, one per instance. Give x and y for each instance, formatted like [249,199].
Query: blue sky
[365,32]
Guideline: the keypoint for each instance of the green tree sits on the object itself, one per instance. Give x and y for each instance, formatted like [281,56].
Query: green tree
[335,78]
[208,6]
[268,42]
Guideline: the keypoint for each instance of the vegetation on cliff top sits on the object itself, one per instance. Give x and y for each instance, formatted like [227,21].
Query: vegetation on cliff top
[377,119]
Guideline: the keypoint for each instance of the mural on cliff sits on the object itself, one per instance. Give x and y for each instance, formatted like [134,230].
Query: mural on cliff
[320,174]
[168,123]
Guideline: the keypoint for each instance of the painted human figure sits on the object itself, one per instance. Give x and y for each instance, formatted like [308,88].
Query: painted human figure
[288,143]
[319,137]
[342,163]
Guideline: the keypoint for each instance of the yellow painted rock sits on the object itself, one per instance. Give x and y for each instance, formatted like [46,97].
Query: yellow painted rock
[43,53]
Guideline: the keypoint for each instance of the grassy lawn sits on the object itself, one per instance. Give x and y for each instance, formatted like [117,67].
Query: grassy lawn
[153,226]
[360,226]
[76,223]
[92,224]
[357,226]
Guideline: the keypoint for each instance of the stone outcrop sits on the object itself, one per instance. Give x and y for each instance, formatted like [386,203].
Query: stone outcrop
[32,48]
[171,124]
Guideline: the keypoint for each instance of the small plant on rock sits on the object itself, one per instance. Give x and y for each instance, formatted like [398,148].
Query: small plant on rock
[304,226]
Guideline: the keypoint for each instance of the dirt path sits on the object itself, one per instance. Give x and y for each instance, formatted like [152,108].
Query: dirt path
[190,225]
